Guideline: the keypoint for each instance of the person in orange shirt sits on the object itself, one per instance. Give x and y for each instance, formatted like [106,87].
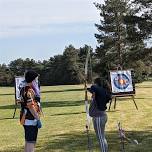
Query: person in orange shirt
[30,112]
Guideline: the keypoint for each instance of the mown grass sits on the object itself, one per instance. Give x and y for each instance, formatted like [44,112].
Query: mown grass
[64,121]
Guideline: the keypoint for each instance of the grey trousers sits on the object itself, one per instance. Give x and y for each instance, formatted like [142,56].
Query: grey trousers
[99,127]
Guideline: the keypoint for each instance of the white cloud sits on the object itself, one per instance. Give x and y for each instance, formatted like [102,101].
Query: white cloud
[19,17]
[53,29]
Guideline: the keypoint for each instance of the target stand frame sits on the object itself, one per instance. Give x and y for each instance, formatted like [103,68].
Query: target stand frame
[115,97]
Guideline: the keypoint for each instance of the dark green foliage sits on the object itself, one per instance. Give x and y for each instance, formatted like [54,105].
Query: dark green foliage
[60,69]
[111,36]
[5,76]
[121,36]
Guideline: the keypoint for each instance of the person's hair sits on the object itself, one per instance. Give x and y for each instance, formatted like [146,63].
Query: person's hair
[102,82]
[30,76]
[98,81]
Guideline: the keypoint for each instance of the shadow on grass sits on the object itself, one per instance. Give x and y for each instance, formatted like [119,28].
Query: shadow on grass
[9,106]
[71,113]
[77,142]
[66,90]
[7,94]
[62,103]
[143,86]
[48,91]
[143,98]
[51,104]
[9,118]
[125,98]
[110,111]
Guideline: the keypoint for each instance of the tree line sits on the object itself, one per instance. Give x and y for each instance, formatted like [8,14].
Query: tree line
[125,27]
[67,68]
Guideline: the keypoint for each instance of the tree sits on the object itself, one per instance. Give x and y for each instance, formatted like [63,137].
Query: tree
[6,78]
[83,51]
[120,38]
[71,66]
[63,69]
[143,17]
[112,35]
[140,33]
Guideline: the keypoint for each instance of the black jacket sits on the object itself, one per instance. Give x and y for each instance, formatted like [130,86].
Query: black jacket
[102,96]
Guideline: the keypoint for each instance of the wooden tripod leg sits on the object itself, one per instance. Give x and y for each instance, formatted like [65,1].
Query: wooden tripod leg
[110,104]
[115,103]
[134,102]
[15,111]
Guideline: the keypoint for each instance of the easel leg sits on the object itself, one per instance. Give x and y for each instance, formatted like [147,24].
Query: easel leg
[134,102]
[115,103]
[14,111]
[110,104]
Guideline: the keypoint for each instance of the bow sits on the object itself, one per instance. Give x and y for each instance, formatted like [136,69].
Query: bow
[86,93]
[88,118]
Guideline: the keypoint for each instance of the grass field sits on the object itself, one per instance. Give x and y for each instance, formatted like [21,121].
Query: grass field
[64,121]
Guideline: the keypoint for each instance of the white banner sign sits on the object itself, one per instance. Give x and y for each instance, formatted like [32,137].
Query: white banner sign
[20,83]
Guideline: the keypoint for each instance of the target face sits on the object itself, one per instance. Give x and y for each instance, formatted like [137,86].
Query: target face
[121,81]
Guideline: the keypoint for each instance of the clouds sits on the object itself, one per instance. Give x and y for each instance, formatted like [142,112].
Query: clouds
[24,17]
[39,29]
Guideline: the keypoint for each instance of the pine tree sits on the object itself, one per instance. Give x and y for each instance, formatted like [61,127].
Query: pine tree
[112,35]
[121,36]
[73,75]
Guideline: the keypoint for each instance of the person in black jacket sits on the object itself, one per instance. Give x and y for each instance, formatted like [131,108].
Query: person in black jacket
[97,110]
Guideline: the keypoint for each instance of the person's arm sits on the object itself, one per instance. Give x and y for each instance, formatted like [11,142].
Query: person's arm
[108,96]
[35,114]
[93,95]
[92,90]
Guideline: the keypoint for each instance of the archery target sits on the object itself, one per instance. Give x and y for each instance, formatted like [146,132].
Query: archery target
[121,81]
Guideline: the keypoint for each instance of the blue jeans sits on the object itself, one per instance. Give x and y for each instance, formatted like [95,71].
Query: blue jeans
[99,127]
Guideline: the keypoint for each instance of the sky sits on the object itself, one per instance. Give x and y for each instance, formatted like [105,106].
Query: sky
[40,29]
